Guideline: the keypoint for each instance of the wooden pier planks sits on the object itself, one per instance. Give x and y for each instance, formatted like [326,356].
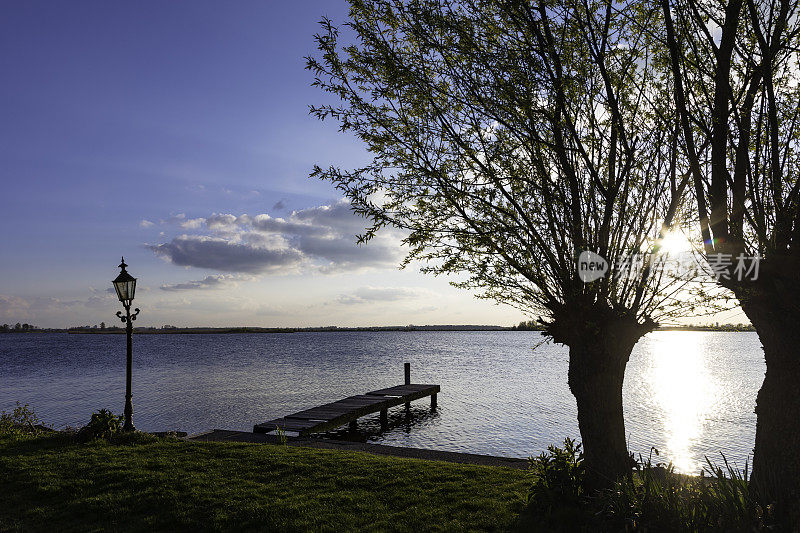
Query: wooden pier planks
[335,414]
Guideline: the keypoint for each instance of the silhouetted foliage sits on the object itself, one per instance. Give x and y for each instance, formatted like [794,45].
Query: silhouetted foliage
[17,328]
[529,325]
[103,425]
[737,93]
[507,138]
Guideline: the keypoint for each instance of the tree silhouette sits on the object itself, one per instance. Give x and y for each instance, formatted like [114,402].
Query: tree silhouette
[506,139]
[737,92]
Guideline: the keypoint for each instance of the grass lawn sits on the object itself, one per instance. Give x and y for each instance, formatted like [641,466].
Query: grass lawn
[51,483]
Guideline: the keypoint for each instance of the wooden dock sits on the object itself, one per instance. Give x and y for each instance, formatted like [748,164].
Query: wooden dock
[348,410]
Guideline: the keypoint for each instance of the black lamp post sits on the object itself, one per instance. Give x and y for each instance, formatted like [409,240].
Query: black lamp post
[125,285]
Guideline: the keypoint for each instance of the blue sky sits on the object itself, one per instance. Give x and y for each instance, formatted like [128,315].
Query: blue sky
[177,133]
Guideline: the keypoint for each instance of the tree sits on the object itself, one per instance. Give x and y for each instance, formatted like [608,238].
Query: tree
[735,69]
[508,138]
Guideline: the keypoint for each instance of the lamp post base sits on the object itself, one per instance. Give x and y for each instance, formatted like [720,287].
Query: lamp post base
[128,425]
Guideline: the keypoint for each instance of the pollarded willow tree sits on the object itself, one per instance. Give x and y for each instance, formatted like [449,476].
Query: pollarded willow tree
[736,68]
[507,138]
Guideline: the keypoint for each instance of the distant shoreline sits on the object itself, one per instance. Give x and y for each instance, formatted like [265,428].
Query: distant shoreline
[325,329]
[728,328]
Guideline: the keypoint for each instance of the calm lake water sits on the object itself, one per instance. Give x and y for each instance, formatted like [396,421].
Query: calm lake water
[689,394]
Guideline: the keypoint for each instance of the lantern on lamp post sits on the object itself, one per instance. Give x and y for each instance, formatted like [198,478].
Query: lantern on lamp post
[125,285]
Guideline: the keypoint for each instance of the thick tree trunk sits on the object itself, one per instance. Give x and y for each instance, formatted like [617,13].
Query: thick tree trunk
[600,343]
[773,307]
[596,375]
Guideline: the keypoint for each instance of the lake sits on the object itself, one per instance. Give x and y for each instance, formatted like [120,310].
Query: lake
[689,394]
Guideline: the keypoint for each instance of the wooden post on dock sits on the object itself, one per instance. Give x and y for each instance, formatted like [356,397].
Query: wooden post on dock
[407,368]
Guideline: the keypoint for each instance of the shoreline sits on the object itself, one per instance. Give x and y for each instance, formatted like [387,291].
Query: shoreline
[224,435]
[333,329]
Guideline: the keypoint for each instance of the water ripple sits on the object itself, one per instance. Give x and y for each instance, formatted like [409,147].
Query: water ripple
[689,394]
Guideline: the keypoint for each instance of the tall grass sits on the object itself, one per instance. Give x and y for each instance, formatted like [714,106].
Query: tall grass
[653,498]
[659,499]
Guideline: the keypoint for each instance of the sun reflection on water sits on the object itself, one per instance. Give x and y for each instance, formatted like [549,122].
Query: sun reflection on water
[683,391]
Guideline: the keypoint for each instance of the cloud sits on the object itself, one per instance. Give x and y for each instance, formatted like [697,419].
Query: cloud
[337,215]
[220,221]
[364,295]
[343,254]
[320,238]
[182,221]
[10,304]
[192,223]
[209,282]
[16,308]
[221,254]
[146,224]
[280,205]
[174,219]
[110,290]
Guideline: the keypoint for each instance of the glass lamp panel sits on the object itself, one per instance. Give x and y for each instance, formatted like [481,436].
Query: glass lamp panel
[130,288]
[121,290]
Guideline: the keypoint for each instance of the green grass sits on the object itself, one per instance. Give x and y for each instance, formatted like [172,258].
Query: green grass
[52,483]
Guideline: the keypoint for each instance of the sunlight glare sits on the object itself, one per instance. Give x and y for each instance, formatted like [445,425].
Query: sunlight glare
[684,392]
[674,243]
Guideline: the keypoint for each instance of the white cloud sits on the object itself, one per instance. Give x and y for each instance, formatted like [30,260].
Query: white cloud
[216,221]
[320,238]
[174,219]
[226,255]
[144,223]
[209,282]
[193,223]
[363,295]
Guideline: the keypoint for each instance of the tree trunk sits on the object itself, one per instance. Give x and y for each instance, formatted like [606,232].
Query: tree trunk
[595,379]
[600,343]
[771,305]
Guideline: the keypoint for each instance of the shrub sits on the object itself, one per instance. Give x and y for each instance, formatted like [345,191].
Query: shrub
[656,498]
[21,421]
[653,498]
[557,477]
[103,425]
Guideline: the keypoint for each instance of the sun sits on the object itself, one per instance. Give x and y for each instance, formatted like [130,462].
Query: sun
[675,242]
